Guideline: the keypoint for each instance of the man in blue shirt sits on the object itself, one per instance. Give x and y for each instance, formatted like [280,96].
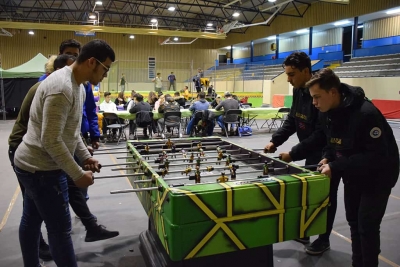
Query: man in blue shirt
[171,79]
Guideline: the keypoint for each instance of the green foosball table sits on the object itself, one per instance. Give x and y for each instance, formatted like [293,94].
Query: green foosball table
[210,201]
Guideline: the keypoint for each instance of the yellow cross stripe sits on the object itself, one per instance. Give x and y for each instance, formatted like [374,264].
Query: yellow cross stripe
[163,230]
[203,242]
[228,199]
[199,203]
[269,195]
[163,198]
[314,214]
[282,204]
[232,236]
[249,215]
[303,204]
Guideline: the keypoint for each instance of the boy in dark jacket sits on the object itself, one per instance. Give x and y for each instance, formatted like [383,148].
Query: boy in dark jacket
[363,151]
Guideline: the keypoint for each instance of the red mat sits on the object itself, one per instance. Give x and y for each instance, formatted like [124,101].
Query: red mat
[389,108]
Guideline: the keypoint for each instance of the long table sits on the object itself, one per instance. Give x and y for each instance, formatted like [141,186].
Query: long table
[261,113]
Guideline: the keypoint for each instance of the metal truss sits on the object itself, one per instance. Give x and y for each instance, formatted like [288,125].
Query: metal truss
[189,15]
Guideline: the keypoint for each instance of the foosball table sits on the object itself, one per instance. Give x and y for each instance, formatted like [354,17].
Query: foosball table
[210,201]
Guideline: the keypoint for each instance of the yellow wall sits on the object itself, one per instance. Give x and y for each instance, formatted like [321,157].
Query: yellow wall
[385,88]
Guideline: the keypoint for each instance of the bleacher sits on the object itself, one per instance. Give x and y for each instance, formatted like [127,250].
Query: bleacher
[261,72]
[225,74]
[372,66]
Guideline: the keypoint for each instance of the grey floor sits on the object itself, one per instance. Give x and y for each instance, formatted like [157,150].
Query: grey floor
[123,212]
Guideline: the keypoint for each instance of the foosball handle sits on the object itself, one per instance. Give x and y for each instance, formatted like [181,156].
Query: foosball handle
[263,176]
[192,177]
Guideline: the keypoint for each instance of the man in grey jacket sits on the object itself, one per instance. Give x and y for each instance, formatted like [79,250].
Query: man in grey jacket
[45,156]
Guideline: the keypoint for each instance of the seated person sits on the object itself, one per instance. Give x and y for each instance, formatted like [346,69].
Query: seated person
[179,99]
[131,102]
[216,101]
[144,120]
[228,104]
[170,105]
[200,104]
[108,106]
[120,100]
[211,92]
[185,92]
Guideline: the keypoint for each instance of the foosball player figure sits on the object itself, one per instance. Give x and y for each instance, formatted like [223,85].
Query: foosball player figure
[163,172]
[201,152]
[187,170]
[183,154]
[191,159]
[265,168]
[173,151]
[209,168]
[223,178]
[220,157]
[199,146]
[166,164]
[228,161]
[169,143]
[197,175]
[198,161]
[232,169]
[219,149]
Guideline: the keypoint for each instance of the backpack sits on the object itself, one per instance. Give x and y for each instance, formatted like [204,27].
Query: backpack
[245,131]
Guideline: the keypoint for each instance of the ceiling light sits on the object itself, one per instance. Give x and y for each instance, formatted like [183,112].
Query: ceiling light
[31,32]
[209,24]
[360,26]
[171,8]
[92,16]
[132,37]
[271,1]
[99,3]
[271,37]
[152,32]
[153,20]
[302,31]
[343,22]
[236,14]
[393,11]
[176,39]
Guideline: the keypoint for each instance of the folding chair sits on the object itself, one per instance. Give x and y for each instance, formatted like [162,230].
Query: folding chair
[148,125]
[249,120]
[172,119]
[198,115]
[232,116]
[119,125]
[279,116]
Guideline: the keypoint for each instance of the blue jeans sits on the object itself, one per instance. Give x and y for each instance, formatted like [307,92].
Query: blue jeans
[46,196]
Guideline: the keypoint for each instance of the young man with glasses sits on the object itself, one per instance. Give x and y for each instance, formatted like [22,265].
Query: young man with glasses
[45,157]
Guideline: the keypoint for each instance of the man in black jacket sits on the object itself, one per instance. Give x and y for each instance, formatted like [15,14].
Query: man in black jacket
[142,120]
[302,119]
[363,151]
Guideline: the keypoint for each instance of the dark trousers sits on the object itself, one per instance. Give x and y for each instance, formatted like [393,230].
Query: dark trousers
[364,212]
[45,198]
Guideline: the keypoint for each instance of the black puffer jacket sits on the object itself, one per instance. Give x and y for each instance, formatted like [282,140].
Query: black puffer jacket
[361,142]
[302,119]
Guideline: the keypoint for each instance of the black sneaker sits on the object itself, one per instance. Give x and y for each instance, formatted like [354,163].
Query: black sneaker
[99,232]
[44,252]
[318,247]
[304,240]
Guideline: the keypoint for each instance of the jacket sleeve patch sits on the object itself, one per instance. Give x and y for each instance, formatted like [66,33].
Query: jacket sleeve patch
[375,132]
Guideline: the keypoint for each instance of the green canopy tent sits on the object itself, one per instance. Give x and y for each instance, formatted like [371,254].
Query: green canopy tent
[15,82]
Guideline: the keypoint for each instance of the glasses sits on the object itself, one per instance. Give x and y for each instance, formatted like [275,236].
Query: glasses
[105,68]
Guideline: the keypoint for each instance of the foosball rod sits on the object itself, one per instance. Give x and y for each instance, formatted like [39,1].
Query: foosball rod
[116,164]
[180,153]
[117,176]
[187,177]
[114,148]
[207,148]
[158,188]
[207,157]
[194,143]
[194,163]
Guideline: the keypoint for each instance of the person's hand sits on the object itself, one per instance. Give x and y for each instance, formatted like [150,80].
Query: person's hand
[95,144]
[325,169]
[270,148]
[91,164]
[323,161]
[285,157]
[86,180]
[90,150]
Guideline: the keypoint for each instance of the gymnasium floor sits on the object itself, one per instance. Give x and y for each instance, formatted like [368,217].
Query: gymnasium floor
[123,212]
